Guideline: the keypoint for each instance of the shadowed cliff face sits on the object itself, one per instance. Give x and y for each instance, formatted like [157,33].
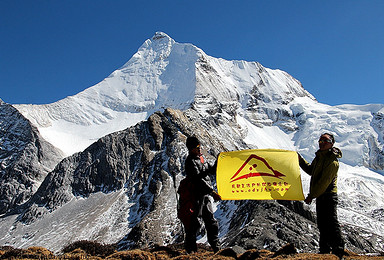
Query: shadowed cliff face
[144,161]
[25,158]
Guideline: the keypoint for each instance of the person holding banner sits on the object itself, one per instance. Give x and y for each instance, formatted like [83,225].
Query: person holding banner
[323,188]
[197,172]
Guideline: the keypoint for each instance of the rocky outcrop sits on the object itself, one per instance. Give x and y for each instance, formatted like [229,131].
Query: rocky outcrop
[273,224]
[25,158]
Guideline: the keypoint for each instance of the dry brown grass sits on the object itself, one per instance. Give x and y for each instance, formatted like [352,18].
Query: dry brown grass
[94,251]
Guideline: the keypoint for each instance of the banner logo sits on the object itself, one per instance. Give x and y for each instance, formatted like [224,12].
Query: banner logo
[255,160]
[260,174]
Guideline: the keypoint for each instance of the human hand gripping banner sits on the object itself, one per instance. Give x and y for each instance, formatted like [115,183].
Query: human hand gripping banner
[261,174]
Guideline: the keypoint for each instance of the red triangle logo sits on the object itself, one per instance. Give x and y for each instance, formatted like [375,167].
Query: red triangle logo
[256,162]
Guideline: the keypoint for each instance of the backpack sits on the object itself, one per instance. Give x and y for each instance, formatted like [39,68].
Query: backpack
[187,204]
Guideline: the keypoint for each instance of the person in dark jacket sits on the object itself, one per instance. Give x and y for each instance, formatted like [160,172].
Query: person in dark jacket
[197,172]
[323,188]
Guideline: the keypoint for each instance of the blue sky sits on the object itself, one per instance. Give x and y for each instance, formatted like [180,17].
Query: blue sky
[53,49]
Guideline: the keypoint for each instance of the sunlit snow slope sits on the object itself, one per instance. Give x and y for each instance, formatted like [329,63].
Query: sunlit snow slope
[161,74]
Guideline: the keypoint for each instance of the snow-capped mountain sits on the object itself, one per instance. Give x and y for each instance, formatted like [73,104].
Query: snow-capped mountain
[161,74]
[121,185]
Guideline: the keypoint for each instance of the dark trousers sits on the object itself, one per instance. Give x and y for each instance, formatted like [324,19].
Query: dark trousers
[330,233]
[211,226]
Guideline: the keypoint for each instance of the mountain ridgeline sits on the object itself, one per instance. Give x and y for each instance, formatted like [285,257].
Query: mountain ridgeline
[124,146]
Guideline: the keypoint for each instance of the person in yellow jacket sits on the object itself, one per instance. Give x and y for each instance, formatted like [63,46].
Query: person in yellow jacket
[323,188]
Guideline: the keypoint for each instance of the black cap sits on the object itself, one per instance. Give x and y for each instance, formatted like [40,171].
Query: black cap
[192,142]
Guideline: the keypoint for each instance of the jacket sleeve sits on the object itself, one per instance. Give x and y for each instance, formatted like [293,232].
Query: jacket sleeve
[321,184]
[212,168]
[305,165]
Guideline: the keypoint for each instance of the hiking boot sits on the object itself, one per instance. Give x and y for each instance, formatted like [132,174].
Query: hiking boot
[216,249]
[340,255]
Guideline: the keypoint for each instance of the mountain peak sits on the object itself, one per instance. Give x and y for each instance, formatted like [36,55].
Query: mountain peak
[162,73]
[152,50]
[159,41]
[160,35]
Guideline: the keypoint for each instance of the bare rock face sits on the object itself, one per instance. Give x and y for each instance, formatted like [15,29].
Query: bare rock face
[376,155]
[144,161]
[272,224]
[25,158]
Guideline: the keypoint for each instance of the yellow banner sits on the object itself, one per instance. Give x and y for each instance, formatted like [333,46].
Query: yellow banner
[262,174]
